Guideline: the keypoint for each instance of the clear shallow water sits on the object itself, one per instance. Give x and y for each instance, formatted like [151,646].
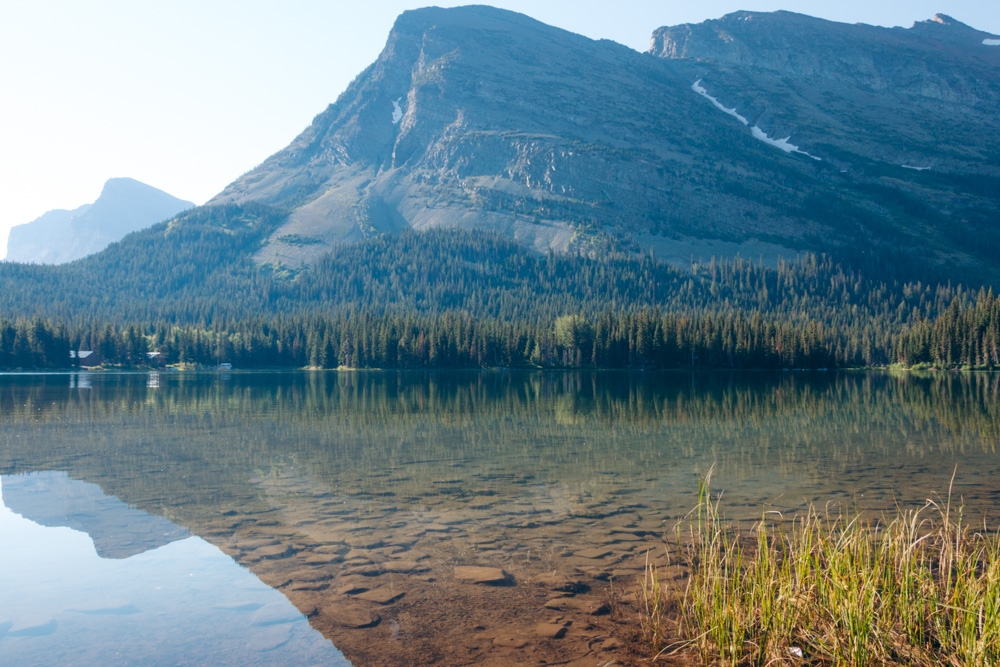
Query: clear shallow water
[270,517]
[87,580]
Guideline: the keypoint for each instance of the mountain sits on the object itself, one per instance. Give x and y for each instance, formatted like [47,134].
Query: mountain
[476,117]
[508,139]
[60,236]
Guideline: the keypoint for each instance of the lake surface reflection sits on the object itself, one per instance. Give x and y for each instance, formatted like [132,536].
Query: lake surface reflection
[270,517]
[88,580]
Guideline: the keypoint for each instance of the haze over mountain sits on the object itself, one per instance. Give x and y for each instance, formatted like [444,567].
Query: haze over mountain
[481,118]
[60,236]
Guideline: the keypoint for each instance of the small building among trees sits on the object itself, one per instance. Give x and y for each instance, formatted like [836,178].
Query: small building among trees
[86,358]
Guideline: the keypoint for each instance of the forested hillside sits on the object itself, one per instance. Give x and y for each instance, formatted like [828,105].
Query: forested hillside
[197,269]
[189,290]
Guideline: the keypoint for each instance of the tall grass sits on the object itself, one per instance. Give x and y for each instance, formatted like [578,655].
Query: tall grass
[915,588]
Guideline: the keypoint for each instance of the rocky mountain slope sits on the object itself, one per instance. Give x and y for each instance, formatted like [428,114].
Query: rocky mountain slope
[60,236]
[481,118]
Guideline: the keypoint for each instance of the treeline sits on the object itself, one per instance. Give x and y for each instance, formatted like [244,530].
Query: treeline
[34,344]
[960,337]
[645,339]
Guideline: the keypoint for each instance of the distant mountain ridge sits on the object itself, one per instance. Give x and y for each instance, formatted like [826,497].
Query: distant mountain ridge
[125,205]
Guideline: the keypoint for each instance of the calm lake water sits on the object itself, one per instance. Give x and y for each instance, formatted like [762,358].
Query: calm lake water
[331,518]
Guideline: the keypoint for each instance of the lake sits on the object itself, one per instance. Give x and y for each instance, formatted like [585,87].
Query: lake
[376,518]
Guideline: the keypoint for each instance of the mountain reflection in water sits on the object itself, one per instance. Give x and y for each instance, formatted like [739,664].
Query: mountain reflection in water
[118,531]
[87,580]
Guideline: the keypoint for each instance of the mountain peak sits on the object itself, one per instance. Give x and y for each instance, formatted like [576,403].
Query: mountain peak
[783,15]
[944,22]
[466,16]
[452,27]
[125,205]
[122,186]
[944,19]
[124,181]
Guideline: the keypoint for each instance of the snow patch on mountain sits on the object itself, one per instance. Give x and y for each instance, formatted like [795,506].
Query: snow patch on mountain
[698,88]
[783,144]
[991,42]
[397,111]
[777,143]
[758,133]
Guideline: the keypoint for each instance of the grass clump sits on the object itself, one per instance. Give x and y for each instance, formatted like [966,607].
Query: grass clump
[915,588]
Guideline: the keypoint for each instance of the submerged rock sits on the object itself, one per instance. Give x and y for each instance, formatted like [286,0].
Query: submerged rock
[381,595]
[352,615]
[473,574]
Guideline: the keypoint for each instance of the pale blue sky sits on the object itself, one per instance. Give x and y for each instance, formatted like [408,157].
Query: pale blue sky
[187,95]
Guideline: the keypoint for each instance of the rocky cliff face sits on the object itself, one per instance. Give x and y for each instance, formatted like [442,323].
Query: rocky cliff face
[929,59]
[125,206]
[478,117]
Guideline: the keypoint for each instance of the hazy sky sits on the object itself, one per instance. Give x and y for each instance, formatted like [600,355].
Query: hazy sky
[187,95]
